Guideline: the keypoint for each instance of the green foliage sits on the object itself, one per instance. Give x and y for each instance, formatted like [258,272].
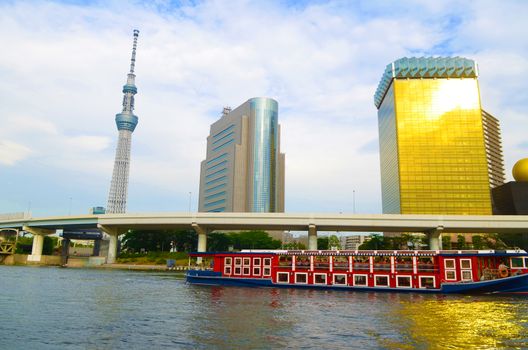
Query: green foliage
[253,240]
[334,242]
[461,242]
[446,242]
[48,247]
[294,246]
[24,245]
[218,242]
[322,243]
[404,241]
[514,240]
[184,240]
[375,242]
[157,258]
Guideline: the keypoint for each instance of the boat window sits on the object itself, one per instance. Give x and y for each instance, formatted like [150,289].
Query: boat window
[267,271]
[449,263]
[285,261]
[267,261]
[227,270]
[321,262]
[247,270]
[450,275]
[360,280]
[467,275]
[382,263]
[381,281]
[247,261]
[238,270]
[425,264]
[228,260]
[427,282]
[517,263]
[302,262]
[403,281]
[404,263]
[465,263]
[301,278]
[361,263]
[340,279]
[319,278]
[256,271]
[256,261]
[283,277]
[238,261]
[340,262]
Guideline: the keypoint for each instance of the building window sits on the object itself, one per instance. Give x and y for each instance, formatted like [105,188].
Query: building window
[224,131]
[223,145]
[216,173]
[340,279]
[319,278]
[222,156]
[301,278]
[360,280]
[216,166]
[403,282]
[381,281]
[427,282]
[283,277]
[217,187]
[216,195]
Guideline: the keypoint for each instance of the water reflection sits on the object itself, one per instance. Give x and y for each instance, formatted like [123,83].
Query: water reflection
[69,309]
[465,321]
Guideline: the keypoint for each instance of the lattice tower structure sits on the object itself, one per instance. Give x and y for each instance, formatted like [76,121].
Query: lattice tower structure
[126,123]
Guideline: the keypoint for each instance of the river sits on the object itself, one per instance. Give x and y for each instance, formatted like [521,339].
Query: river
[55,308]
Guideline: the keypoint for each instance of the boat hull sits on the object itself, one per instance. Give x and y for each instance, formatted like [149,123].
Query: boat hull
[510,285]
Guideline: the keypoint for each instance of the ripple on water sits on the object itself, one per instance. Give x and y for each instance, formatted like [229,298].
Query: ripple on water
[53,308]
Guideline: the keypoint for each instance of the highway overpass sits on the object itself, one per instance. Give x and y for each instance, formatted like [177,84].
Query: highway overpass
[116,224]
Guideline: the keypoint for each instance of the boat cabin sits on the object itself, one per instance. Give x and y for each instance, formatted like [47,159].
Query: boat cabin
[368,269]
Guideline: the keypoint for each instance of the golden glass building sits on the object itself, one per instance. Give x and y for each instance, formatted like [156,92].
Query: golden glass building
[440,153]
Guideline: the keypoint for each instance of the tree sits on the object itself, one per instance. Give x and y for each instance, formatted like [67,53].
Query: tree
[334,242]
[185,240]
[446,242]
[322,243]
[295,245]
[253,240]
[218,242]
[376,242]
[461,242]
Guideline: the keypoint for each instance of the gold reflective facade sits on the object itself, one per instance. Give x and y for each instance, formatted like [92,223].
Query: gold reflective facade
[433,152]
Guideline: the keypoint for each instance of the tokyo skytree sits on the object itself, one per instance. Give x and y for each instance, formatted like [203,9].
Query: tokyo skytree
[126,123]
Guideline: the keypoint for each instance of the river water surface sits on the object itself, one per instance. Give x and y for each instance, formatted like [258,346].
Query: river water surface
[54,308]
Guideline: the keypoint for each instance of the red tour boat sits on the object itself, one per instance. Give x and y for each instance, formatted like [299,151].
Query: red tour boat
[445,271]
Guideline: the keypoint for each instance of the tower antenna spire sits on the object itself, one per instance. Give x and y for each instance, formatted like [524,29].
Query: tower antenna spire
[133,59]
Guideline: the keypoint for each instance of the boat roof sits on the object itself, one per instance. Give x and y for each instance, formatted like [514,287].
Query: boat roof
[260,252]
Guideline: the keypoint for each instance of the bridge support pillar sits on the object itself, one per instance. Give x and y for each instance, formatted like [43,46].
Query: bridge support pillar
[435,238]
[312,237]
[112,234]
[202,240]
[65,251]
[38,242]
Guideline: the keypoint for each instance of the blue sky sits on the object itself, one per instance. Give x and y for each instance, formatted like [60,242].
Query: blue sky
[63,65]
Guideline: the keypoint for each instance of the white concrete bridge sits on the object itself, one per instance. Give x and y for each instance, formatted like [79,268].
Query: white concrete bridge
[115,224]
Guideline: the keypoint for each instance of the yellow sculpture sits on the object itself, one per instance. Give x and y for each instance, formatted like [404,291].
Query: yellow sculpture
[520,170]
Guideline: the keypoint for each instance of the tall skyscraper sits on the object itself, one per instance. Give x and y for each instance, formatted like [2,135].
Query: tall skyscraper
[440,152]
[126,123]
[244,169]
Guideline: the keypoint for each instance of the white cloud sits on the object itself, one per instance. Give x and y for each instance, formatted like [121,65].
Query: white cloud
[11,152]
[63,66]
